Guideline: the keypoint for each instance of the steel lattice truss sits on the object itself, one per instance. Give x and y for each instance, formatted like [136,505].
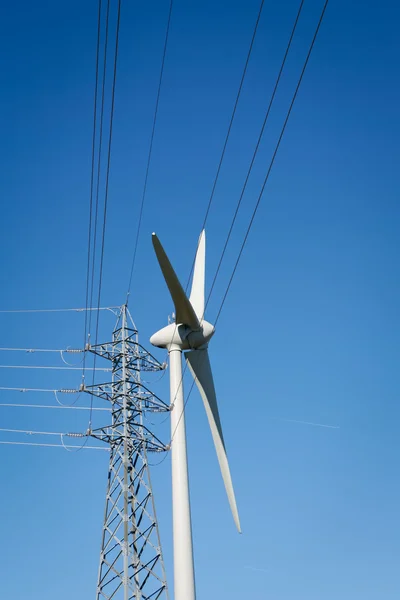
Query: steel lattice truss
[131,562]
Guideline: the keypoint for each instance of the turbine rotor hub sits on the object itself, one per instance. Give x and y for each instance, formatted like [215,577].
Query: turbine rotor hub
[183,336]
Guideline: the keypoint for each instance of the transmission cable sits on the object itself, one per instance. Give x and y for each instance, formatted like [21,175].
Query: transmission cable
[150,150]
[249,171]
[53,433]
[262,190]
[272,159]
[106,190]
[30,432]
[50,367]
[228,133]
[33,350]
[56,310]
[92,180]
[84,447]
[232,116]
[253,157]
[99,155]
[13,405]
[227,136]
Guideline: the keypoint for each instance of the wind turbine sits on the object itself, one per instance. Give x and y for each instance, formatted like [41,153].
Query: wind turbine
[191,333]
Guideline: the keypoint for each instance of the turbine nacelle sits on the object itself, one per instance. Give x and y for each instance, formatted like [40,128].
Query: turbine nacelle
[183,336]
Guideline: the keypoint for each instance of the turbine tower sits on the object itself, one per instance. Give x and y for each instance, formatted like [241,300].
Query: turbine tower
[191,333]
[131,561]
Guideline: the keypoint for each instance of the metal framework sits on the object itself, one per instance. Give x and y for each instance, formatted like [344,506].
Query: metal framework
[131,561]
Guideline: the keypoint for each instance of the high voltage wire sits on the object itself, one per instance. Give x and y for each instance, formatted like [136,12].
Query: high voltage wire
[50,433]
[253,157]
[233,116]
[150,149]
[108,158]
[55,310]
[266,118]
[273,157]
[264,183]
[99,155]
[228,133]
[13,405]
[65,446]
[31,432]
[227,136]
[43,390]
[107,186]
[33,350]
[51,367]
[17,389]
[92,175]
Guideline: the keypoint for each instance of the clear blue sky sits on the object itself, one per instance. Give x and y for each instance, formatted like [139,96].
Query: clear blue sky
[310,329]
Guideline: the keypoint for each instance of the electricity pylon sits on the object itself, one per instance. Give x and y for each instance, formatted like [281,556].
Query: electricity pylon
[131,561]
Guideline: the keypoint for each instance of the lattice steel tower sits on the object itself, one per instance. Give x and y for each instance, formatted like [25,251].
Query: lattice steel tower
[131,561]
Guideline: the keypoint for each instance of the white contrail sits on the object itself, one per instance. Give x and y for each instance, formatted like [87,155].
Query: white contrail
[256,569]
[307,423]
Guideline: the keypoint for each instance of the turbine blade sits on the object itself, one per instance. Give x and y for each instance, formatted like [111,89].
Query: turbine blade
[197,293]
[183,309]
[199,364]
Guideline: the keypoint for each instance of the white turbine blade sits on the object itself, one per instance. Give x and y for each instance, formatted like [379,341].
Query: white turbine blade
[199,364]
[197,293]
[183,309]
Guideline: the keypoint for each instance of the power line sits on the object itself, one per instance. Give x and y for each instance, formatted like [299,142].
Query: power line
[46,390]
[51,367]
[99,154]
[263,186]
[108,160]
[224,150]
[251,163]
[51,310]
[233,115]
[45,350]
[33,350]
[29,432]
[50,433]
[107,185]
[249,171]
[17,389]
[53,391]
[273,158]
[150,149]
[92,176]
[65,446]
[228,133]
[13,405]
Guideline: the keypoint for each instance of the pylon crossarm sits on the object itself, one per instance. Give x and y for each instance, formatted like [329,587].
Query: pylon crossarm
[100,390]
[152,363]
[146,400]
[135,351]
[111,435]
[155,399]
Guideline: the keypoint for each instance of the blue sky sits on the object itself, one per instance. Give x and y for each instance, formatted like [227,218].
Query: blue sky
[310,328]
